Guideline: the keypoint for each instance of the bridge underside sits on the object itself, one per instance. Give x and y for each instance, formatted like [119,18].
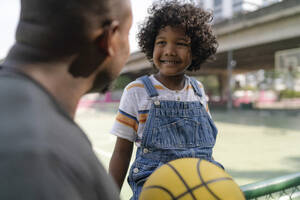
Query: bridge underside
[250,58]
[247,59]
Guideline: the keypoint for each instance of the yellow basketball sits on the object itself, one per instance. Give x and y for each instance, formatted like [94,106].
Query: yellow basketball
[190,179]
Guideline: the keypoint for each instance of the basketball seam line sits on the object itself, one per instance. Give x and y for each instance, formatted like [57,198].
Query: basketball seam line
[181,178]
[204,183]
[208,182]
[193,188]
[163,188]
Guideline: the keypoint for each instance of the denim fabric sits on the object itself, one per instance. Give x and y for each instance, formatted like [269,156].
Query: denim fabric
[174,129]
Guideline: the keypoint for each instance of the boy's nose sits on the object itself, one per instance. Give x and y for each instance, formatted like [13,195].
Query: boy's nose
[170,50]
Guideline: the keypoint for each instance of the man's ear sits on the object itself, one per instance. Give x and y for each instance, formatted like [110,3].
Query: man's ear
[106,39]
[93,55]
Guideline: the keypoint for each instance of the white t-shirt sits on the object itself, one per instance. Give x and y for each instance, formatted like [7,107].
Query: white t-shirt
[135,104]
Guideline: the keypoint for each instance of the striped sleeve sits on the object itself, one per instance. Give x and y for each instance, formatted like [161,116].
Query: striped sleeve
[126,122]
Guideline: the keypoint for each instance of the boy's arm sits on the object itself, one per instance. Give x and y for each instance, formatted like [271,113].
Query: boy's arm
[120,160]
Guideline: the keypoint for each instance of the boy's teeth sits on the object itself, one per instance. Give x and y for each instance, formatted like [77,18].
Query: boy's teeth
[173,62]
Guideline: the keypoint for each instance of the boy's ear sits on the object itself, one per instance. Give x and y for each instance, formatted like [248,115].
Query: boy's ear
[106,39]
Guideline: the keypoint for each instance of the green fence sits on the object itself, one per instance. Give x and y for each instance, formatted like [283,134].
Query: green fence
[280,188]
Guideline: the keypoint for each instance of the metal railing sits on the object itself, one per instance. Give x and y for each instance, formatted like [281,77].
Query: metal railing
[280,188]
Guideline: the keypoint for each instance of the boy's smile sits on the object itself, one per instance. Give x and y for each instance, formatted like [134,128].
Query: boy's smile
[169,62]
[172,51]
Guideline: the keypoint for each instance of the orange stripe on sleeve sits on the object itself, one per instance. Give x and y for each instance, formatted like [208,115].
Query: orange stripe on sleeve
[127,121]
[159,87]
[191,87]
[135,85]
[143,117]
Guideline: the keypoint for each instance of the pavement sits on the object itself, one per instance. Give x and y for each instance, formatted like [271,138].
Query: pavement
[252,145]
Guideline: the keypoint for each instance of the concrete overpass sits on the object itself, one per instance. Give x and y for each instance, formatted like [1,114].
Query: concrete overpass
[252,38]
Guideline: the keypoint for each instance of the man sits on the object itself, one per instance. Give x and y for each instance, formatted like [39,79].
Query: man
[63,50]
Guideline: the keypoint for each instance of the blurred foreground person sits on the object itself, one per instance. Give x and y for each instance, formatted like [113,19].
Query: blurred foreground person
[63,50]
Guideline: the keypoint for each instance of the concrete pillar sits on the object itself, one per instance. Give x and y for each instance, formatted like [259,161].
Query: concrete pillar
[223,85]
[208,4]
[230,66]
[227,8]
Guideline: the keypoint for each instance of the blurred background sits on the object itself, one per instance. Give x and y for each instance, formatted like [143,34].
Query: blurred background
[257,65]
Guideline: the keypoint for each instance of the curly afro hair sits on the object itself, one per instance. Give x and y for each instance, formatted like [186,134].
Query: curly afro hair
[188,16]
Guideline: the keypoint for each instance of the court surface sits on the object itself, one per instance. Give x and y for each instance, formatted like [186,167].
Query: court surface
[252,145]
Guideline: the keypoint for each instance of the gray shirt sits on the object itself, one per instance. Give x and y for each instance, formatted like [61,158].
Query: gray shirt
[43,153]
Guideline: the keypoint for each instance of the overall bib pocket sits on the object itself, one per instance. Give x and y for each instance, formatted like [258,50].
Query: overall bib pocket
[183,133]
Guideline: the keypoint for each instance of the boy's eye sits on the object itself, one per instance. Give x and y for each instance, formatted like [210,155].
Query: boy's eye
[182,44]
[160,42]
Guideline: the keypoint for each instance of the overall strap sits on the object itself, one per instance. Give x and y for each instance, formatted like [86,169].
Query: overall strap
[195,86]
[151,91]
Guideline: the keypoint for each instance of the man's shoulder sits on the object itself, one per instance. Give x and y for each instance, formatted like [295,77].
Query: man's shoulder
[19,89]
[28,112]
[21,98]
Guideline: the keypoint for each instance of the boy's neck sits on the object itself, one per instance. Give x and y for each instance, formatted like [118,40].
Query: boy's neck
[172,82]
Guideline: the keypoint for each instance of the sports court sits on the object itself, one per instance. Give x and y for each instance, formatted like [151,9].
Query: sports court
[252,145]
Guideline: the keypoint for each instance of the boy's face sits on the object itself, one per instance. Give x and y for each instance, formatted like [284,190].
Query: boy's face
[172,53]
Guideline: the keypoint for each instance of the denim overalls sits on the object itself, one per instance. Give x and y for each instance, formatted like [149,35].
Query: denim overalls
[174,129]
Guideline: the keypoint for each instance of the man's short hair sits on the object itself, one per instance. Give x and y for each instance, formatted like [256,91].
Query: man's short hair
[61,27]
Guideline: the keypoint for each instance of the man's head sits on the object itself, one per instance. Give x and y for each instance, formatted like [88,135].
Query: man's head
[93,32]
[62,27]
[117,46]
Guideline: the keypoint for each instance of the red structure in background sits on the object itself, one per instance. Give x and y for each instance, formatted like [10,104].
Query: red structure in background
[91,99]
